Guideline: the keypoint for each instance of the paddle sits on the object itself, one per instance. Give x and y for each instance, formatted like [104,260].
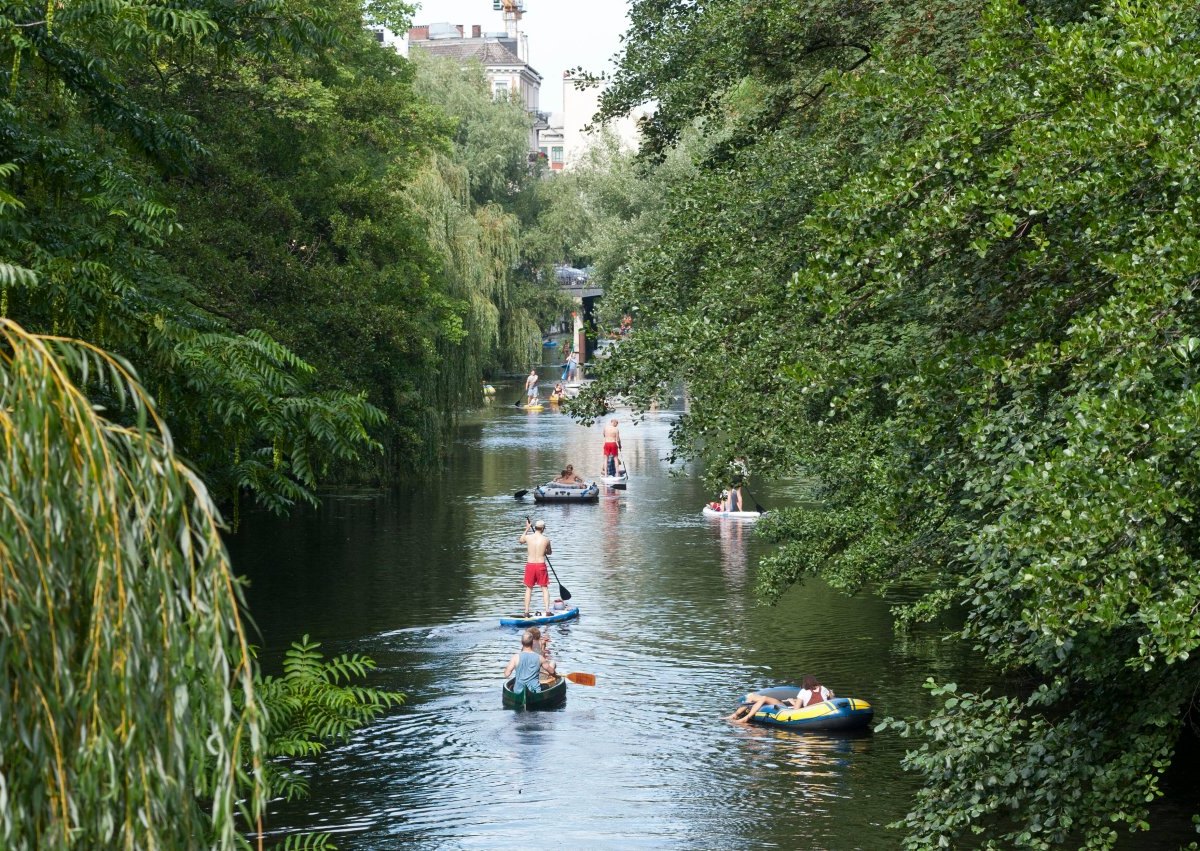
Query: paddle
[521,493]
[582,679]
[562,589]
[757,507]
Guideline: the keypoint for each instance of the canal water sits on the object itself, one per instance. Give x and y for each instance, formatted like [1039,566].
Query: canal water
[670,625]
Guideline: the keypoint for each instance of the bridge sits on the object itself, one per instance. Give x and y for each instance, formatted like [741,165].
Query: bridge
[577,282]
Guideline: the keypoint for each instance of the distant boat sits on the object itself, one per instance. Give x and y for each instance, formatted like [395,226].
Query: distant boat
[549,344]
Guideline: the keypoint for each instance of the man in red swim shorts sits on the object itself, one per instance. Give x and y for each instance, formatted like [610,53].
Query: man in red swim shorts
[538,547]
[612,447]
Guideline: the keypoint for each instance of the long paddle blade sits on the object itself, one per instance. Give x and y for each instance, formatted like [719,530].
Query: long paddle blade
[562,589]
[582,679]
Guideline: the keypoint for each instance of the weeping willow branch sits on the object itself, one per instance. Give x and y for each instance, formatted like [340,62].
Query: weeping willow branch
[130,718]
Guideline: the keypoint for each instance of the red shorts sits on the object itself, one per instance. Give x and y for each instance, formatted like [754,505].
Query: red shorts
[610,448]
[535,574]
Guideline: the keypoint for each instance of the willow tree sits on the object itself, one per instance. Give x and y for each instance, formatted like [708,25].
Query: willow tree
[467,194]
[127,693]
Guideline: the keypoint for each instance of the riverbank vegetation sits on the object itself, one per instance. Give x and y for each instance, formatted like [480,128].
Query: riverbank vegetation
[301,244]
[944,260]
[249,251]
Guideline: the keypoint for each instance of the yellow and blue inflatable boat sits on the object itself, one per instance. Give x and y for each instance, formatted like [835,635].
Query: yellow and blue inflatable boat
[839,714]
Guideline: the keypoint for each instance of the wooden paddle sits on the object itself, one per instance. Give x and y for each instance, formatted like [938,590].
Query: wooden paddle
[582,679]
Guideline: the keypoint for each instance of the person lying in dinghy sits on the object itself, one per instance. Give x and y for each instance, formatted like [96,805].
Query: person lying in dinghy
[811,693]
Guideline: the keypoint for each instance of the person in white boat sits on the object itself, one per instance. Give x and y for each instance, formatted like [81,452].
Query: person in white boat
[568,478]
[739,472]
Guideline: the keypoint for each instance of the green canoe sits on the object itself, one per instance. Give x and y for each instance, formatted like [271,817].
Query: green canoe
[550,697]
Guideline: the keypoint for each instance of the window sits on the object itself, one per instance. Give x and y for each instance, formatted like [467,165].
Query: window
[556,155]
[542,150]
[500,89]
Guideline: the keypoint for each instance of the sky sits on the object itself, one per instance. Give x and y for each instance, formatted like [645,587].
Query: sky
[562,34]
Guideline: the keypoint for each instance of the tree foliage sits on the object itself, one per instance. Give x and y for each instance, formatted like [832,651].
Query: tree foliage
[128,693]
[960,276]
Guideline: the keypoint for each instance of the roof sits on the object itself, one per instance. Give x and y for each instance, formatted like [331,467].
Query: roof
[489,53]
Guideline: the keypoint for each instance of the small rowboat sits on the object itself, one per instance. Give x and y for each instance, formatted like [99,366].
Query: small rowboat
[539,618]
[565,493]
[838,714]
[551,696]
[709,511]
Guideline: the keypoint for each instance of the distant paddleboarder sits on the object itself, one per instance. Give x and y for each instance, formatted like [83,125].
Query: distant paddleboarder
[531,387]
[612,446]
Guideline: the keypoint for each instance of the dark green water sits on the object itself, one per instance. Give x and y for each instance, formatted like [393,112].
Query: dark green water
[670,626]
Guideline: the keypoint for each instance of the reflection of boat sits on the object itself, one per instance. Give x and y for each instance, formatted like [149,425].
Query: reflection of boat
[565,493]
[550,697]
[709,511]
[539,618]
[838,713]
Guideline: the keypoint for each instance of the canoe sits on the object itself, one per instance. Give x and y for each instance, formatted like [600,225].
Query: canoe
[550,697]
[562,493]
[615,481]
[539,618]
[838,714]
[709,511]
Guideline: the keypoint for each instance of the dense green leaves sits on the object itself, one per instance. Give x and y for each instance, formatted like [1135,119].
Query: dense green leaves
[128,694]
[953,287]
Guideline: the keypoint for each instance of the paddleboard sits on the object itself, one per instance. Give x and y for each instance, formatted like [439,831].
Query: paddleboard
[615,481]
[534,407]
[539,618]
[731,515]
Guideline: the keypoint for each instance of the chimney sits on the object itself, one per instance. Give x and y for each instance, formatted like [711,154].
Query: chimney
[460,30]
[476,30]
[419,33]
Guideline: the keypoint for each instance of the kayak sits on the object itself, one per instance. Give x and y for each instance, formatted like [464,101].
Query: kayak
[550,697]
[615,481]
[564,493]
[709,511]
[539,618]
[549,344]
[838,714]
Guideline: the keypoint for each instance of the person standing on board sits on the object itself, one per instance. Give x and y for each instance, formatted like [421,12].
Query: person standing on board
[538,547]
[531,390]
[527,665]
[612,446]
[571,367]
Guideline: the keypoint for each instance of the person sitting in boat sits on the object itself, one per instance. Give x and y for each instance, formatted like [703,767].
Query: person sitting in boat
[568,478]
[558,395]
[739,471]
[526,665]
[811,693]
[541,643]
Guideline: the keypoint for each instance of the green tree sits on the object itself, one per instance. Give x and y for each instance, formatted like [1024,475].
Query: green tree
[960,276]
[124,655]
